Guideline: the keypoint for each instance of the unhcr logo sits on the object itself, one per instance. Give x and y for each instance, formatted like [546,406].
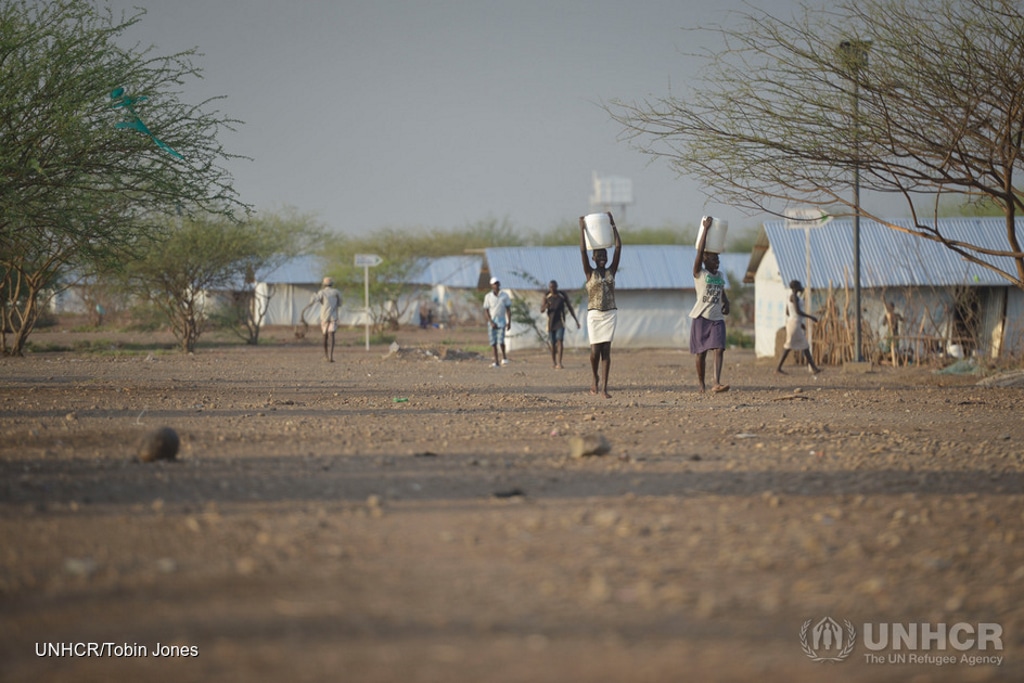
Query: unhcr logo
[905,643]
[827,641]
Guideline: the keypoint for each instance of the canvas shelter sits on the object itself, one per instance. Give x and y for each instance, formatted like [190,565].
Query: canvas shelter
[653,292]
[445,290]
[935,290]
[447,283]
[288,289]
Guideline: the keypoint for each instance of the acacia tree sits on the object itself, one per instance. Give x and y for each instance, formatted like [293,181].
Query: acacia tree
[94,139]
[186,262]
[387,283]
[924,98]
[275,238]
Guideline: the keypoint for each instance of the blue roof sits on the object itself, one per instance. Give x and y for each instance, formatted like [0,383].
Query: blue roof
[888,257]
[298,270]
[643,266]
[453,271]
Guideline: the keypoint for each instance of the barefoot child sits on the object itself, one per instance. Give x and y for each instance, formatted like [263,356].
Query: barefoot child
[796,340]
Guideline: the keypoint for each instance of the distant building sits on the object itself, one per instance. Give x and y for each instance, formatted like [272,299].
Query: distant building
[948,305]
[446,290]
[444,285]
[286,291]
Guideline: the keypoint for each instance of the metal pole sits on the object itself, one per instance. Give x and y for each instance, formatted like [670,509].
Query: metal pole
[366,302]
[858,354]
[807,289]
[857,52]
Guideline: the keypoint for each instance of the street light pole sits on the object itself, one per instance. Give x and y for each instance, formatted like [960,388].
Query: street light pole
[856,53]
[857,355]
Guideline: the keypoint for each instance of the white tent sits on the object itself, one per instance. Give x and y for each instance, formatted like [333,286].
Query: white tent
[288,289]
[448,295]
[285,291]
[447,283]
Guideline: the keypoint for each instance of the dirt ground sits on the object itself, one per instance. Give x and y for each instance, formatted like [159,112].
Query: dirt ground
[417,516]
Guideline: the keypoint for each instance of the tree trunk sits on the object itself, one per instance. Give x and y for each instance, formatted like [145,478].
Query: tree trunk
[189,337]
[19,323]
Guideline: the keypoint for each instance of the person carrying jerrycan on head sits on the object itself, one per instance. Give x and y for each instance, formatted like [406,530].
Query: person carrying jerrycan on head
[707,325]
[601,310]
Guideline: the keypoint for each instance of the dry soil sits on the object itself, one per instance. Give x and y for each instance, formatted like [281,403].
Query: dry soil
[417,516]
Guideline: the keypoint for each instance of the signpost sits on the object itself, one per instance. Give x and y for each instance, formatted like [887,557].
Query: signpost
[367,261]
[807,219]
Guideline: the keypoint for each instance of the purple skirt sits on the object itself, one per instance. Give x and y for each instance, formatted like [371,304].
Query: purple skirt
[706,335]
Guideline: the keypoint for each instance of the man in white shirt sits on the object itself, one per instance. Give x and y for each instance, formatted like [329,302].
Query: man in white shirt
[498,309]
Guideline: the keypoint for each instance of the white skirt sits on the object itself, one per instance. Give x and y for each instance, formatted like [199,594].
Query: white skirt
[796,340]
[600,326]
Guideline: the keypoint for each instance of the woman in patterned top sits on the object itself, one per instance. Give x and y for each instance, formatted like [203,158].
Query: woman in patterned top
[600,306]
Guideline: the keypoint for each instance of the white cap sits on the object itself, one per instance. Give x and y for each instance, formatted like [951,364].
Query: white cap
[494,280]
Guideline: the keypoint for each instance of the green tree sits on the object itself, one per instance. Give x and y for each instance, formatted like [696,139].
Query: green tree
[74,186]
[273,239]
[566,233]
[922,98]
[401,252]
[192,261]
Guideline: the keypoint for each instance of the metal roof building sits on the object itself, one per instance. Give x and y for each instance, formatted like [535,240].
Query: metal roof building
[301,269]
[934,288]
[889,258]
[462,272]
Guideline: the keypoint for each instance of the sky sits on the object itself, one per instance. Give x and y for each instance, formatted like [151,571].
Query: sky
[375,114]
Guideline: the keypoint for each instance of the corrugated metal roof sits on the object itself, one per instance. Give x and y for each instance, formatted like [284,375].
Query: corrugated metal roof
[643,266]
[888,257]
[299,270]
[453,271]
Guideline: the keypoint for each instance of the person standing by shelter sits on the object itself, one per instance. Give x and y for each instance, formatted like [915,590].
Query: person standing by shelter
[498,309]
[555,304]
[601,311]
[707,326]
[330,301]
[796,340]
[892,338]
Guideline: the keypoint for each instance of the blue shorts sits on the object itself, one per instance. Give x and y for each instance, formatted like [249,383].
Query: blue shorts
[497,335]
[555,336]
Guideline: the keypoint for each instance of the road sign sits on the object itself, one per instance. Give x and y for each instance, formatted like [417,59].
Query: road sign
[368,260]
[809,218]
